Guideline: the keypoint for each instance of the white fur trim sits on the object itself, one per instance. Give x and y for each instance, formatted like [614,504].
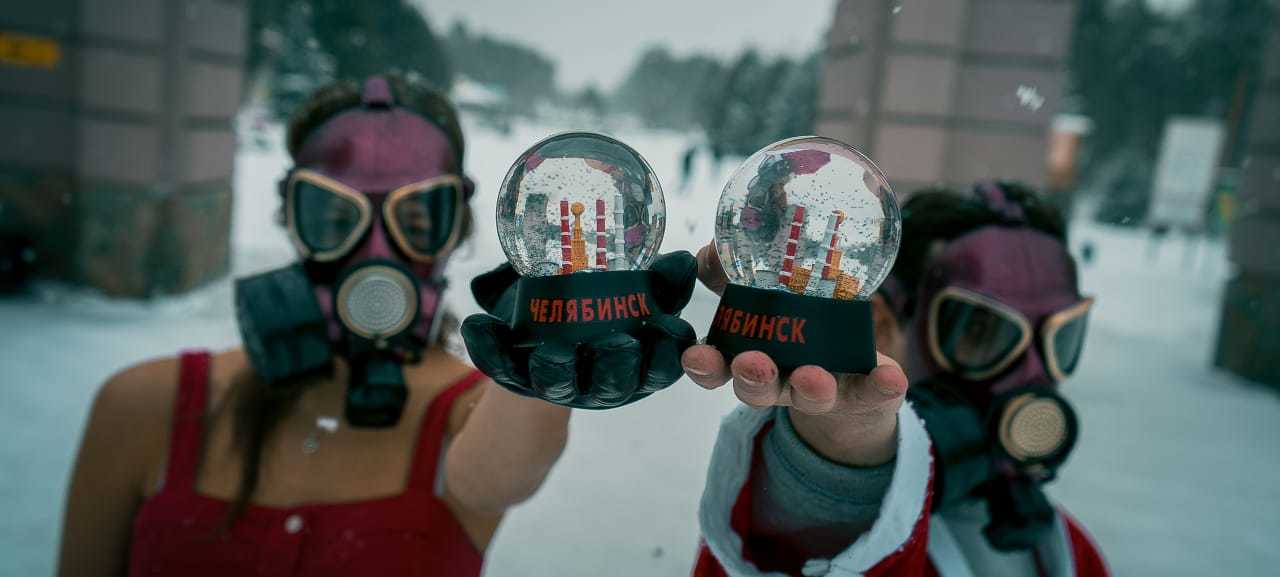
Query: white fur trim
[731,465]
[726,474]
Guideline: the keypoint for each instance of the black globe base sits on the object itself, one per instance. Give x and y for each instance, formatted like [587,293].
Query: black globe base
[795,330]
[579,307]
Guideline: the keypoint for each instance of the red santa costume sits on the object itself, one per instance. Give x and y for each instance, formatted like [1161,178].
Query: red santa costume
[906,539]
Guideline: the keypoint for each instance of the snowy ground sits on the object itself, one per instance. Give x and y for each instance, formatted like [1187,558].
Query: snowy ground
[1171,475]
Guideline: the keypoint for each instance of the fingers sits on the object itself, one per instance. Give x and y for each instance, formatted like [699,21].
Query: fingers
[755,379]
[888,376]
[673,277]
[706,366]
[489,341]
[886,385]
[665,337]
[710,270]
[813,390]
[553,372]
[615,369]
[489,288]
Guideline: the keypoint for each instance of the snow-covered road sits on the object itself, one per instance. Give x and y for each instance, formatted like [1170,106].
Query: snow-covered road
[1172,474]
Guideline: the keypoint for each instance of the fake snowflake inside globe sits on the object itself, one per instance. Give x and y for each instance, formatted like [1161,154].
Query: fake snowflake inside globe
[580,202]
[809,215]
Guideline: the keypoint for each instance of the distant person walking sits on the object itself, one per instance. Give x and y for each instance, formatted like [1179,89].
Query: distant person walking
[686,167]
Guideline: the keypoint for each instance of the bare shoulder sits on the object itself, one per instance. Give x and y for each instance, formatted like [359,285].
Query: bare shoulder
[134,407]
[141,393]
[129,422]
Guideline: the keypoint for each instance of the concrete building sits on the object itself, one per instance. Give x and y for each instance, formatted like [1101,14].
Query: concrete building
[950,91]
[1249,336]
[118,146]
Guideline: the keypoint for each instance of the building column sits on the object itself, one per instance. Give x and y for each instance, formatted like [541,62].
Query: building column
[1249,335]
[126,185]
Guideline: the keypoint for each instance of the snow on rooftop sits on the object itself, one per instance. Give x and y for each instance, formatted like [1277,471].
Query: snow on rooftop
[1072,123]
[469,92]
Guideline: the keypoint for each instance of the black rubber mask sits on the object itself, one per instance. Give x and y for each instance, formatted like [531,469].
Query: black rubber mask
[1003,455]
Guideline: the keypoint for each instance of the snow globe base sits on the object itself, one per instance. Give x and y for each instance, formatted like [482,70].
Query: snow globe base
[795,330]
[579,307]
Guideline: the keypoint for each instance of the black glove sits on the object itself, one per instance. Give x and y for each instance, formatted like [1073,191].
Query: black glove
[607,372]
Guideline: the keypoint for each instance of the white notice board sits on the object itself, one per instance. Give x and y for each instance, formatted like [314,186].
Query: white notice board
[1185,171]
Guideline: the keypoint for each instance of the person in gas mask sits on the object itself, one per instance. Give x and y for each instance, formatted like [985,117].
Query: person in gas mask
[342,439]
[827,474]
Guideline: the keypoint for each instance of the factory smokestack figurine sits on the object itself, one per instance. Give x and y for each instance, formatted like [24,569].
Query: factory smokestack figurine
[619,232]
[566,249]
[831,267]
[601,252]
[793,241]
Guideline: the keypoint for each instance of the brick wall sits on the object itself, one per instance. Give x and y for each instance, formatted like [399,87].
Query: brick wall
[932,92]
[120,164]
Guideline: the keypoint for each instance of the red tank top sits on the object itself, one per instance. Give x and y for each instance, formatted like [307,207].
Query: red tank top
[176,531]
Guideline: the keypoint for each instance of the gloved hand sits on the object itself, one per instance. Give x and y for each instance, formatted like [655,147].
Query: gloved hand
[610,371]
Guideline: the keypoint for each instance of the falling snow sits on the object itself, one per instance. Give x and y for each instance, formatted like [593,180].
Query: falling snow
[1029,97]
[1171,475]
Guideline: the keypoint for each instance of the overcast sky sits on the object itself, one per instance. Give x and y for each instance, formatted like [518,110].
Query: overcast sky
[595,41]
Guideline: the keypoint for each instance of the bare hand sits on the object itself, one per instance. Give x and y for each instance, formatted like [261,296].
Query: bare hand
[850,419]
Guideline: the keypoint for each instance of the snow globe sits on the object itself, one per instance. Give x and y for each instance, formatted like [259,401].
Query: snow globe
[807,229]
[581,217]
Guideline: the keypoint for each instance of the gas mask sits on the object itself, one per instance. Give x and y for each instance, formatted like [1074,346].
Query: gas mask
[1000,325]
[372,209]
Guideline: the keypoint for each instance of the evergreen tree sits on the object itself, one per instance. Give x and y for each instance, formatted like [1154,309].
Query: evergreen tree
[1131,69]
[266,28]
[296,63]
[794,110]
[366,38]
[666,91]
[298,45]
[734,119]
[524,75]
[756,103]
[590,100]
[1224,59]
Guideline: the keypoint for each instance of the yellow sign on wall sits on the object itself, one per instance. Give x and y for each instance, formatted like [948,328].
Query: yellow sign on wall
[29,51]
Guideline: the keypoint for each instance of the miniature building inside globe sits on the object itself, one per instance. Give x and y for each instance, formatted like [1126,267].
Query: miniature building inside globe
[580,203]
[810,216]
